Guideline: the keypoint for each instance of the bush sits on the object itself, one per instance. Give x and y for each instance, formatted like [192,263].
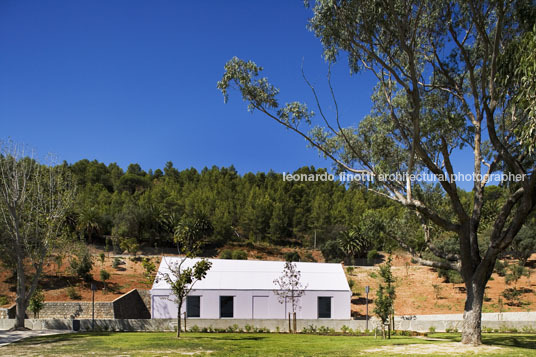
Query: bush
[102,257]
[500,267]
[37,302]
[248,328]
[226,254]
[351,284]
[309,257]
[350,270]
[325,330]
[4,300]
[195,328]
[239,255]
[116,263]
[371,255]
[432,329]
[450,276]
[81,266]
[293,256]
[346,330]
[72,293]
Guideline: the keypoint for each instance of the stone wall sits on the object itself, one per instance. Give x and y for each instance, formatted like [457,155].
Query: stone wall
[133,305]
[75,310]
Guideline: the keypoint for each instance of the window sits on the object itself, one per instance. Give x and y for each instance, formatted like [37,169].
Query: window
[193,306]
[324,307]
[226,306]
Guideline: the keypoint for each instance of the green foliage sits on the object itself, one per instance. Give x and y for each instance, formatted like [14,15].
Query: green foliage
[104,276]
[226,254]
[149,268]
[371,255]
[500,267]
[432,329]
[72,293]
[385,295]
[450,276]
[102,257]
[514,273]
[350,270]
[129,244]
[116,262]
[292,256]
[4,300]
[37,302]
[239,255]
[82,264]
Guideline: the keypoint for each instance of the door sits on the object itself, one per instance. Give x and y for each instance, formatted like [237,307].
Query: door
[260,307]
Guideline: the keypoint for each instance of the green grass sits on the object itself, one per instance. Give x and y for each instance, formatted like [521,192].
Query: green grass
[230,344]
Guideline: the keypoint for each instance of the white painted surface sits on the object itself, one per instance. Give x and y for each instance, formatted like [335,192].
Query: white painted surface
[261,308]
[251,284]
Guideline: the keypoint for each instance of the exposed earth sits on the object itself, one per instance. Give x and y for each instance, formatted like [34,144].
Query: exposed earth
[419,289]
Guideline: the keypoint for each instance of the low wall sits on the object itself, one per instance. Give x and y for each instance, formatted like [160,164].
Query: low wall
[401,323]
[131,305]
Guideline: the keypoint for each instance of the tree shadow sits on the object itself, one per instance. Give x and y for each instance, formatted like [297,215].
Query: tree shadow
[361,300]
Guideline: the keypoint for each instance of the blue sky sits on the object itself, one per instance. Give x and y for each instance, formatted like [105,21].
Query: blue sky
[135,81]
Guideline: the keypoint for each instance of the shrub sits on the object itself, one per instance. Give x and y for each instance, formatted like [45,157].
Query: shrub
[226,254]
[102,257]
[293,256]
[431,329]
[371,255]
[116,263]
[351,284]
[104,276]
[325,330]
[450,276]
[248,328]
[37,302]
[346,330]
[500,267]
[309,329]
[309,257]
[350,270]
[72,293]
[195,328]
[81,266]
[4,300]
[239,255]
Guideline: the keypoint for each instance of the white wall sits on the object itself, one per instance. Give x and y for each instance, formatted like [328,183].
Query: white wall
[163,306]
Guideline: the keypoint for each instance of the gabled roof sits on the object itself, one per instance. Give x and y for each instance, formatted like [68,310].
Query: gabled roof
[226,274]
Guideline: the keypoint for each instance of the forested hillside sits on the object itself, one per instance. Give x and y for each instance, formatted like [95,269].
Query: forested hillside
[136,208]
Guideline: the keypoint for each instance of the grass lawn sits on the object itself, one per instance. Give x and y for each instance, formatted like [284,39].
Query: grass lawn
[228,344]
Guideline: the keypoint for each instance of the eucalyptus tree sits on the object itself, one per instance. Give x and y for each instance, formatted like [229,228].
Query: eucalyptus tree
[452,76]
[34,201]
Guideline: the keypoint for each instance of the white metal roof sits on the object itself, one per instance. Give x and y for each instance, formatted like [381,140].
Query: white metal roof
[226,274]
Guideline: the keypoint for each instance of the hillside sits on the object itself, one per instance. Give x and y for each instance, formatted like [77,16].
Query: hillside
[419,289]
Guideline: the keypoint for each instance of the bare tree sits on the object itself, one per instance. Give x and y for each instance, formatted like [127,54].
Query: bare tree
[34,199]
[290,289]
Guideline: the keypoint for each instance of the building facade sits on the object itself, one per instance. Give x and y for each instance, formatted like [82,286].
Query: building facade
[245,289]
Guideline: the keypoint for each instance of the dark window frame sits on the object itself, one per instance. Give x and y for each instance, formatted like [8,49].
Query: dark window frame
[226,314]
[322,313]
[188,305]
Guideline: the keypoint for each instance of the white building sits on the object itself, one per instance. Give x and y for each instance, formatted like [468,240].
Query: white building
[244,289]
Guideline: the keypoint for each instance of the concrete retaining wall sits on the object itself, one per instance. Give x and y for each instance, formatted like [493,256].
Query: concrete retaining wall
[415,324]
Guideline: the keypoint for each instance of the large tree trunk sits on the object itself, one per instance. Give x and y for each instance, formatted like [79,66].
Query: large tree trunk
[21,297]
[472,315]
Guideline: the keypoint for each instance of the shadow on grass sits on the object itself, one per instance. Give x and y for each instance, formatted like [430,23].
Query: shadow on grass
[506,340]
[43,340]
[232,338]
